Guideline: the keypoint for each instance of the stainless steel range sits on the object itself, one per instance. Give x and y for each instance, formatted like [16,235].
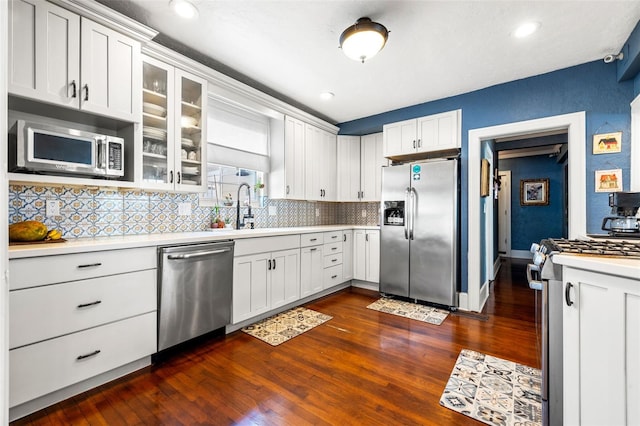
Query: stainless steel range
[546,276]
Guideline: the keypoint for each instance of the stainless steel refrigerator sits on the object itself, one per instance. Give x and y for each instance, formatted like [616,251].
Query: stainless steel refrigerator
[419,231]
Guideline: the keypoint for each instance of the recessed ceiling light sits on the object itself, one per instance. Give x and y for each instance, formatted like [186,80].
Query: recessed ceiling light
[184,9]
[326,95]
[526,29]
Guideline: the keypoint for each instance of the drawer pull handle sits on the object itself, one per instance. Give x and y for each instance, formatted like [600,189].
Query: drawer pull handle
[313,249]
[334,248]
[90,265]
[567,296]
[333,277]
[313,239]
[334,260]
[334,237]
[94,353]
[85,305]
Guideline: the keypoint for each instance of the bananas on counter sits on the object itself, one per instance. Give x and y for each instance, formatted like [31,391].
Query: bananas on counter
[53,234]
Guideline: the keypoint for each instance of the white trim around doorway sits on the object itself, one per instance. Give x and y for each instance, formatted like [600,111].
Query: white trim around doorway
[575,125]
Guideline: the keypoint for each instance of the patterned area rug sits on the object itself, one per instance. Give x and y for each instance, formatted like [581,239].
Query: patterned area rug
[410,310]
[494,391]
[286,325]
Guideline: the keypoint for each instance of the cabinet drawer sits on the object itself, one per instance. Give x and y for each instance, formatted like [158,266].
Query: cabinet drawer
[311,239]
[332,260]
[265,244]
[39,369]
[333,248]
[332,276]
[45,312]
[36,271]
[332,237]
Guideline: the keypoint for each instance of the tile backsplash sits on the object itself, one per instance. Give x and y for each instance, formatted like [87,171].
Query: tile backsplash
[106,212]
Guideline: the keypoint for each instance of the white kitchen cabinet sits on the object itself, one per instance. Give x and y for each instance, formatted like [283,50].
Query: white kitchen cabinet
[58,57]
[174,122]
[311,269]
[366,255]
[287,176]
[266,275]
[371,162]
[320,164]
[347,255]
[432,133]
[601,349]
[332,259]
[359,167]
[348,163]
[96,312]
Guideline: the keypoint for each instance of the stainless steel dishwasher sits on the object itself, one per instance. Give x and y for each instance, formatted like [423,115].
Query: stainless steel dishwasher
[195,290]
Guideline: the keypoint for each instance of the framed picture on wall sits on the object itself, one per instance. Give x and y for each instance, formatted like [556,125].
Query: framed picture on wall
[607,142]
[608,180]
[534,192]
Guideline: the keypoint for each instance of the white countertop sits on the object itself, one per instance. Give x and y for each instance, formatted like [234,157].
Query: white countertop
[80,245]
[627,268]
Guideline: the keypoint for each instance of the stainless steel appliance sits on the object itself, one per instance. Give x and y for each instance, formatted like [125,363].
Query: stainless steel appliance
[419,231]
[41,147]
[625,223]
[195,291]
[546,276]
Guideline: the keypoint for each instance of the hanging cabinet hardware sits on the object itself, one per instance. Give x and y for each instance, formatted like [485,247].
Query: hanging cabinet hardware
[90,265]
[74,92]
[94,353]
[86,92]
[567,296]
[86,305]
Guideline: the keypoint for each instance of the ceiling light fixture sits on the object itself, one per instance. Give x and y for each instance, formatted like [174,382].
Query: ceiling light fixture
[184,9]
[363,40]
[526,29]
[326,95]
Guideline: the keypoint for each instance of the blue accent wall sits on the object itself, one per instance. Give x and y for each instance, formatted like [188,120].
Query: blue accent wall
[530,224]
[590,87]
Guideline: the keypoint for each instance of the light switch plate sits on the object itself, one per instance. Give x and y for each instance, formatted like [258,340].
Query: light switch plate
[52,208]
[364,213]
[273,210]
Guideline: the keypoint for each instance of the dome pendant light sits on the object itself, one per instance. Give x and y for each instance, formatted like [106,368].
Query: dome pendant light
[363,40]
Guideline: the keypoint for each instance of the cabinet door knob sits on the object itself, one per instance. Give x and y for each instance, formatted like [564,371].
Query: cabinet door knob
[567,296]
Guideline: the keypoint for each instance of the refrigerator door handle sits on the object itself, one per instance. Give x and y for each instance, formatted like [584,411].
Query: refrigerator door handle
[406,213]
[412,196]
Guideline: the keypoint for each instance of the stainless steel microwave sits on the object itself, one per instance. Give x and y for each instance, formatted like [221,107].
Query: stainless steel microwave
[41,147]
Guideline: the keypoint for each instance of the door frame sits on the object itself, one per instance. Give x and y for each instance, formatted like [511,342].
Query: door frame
[575,125]
[505,196]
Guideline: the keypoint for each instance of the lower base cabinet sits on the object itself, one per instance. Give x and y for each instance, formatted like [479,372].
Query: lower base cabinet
[601,349]
[366,255]
[311,270]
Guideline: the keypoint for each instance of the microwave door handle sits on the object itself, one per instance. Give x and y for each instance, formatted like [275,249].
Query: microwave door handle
[102,153]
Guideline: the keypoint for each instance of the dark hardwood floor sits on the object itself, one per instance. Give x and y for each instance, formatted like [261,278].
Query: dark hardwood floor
[362,367]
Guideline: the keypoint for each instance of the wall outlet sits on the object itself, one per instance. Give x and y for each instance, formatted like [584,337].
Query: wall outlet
[52,208]
[273,210]
[184,209]
[317,212]
[364,213]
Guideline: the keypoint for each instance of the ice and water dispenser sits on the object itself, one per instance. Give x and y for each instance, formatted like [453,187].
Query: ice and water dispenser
[393,213]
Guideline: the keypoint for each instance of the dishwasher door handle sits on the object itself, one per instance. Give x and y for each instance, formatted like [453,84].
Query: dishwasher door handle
[197,254]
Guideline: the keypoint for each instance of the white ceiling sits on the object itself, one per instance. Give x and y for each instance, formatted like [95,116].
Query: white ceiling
[435,49]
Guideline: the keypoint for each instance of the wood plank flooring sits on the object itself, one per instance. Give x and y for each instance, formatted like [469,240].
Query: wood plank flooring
[363,367]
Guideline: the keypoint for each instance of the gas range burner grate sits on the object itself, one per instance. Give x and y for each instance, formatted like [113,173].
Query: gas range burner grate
[619,249]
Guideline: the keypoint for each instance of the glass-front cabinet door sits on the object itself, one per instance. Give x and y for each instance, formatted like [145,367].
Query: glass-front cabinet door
[157,124]
[173,128]
[190,119]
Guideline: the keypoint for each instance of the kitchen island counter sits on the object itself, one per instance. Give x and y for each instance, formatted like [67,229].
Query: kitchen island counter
[81,245]
[626,268]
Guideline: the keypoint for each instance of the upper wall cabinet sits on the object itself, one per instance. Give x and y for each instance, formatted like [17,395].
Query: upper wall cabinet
[58,57]
[320,164]
[287,177]
[174,121]
[360,162]
[432,133]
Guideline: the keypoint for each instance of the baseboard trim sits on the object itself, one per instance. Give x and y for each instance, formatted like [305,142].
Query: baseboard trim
[520,254]
[463,301]
[496,268]
[366,285]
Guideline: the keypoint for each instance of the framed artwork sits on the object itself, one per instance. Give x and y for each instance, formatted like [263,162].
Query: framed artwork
[608,180]
[484,178]
[534,192]
[605,143]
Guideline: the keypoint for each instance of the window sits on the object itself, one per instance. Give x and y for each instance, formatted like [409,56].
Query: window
[223,183]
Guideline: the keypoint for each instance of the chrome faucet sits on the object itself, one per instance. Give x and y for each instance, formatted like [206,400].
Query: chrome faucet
[249,215]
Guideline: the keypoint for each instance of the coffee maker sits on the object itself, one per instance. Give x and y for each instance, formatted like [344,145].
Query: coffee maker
[625,223]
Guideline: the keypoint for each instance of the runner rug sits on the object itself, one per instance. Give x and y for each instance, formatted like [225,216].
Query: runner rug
[409,310]
[284,326]
[494,391]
